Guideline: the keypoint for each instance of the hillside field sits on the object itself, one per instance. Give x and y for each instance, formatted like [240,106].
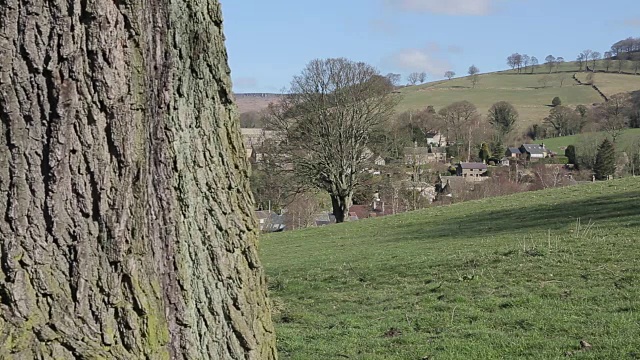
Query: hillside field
[611,84]
[558,144]
[525,276]
[525,92]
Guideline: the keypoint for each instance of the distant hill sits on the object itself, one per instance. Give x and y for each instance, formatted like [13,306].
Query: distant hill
[248,102]
[528,91]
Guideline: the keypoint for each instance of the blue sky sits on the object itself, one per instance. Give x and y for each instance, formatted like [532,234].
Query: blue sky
[271,41]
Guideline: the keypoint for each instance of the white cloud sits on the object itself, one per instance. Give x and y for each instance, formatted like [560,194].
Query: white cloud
[415,59]
[446,7]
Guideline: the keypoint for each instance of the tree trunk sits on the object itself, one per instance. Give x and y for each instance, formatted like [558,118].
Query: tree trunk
[340,205]
[127,229]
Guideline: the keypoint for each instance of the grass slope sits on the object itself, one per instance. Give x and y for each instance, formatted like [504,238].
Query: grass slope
[558,144]
[611,84]
[510,277]
[525,92]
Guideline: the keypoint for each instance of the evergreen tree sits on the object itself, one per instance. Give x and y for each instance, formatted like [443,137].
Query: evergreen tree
[497,149]
[570,153]
[485,153]
[605,160]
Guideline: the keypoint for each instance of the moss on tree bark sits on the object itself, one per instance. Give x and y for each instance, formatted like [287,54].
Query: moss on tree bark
[127,229]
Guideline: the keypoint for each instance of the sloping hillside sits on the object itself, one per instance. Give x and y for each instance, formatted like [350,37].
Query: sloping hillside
[254,102]
[528,93]
[523,276]
[628,138]
[611,84]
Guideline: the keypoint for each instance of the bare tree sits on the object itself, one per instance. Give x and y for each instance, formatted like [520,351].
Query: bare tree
[511,62]
[473,73]
[326,122]
[564,120]
[613,115]
[394,79]
[515,61]
[526,60]
[595,56]
[550,61]
[128,230]
[562,77]
[503,116]
[635,58]
[534,63]
[587,56]
[608,61]
[460,121]
[581,60]
[622,57]
[449,74]
[413,78]
[544,80]
[422,77]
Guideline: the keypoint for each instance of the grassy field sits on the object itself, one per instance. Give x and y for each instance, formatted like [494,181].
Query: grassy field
[611,84]
[525,92]
[560,143]
[526,276]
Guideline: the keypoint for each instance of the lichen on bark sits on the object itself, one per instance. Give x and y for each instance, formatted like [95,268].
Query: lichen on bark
[127,230]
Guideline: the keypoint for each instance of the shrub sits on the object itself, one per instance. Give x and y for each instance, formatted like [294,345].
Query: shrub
[556,101]
[570,153]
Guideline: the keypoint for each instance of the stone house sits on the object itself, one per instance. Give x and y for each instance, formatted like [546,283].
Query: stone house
[471,169]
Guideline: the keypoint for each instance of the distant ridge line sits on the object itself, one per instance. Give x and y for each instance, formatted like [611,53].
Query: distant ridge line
[256,94]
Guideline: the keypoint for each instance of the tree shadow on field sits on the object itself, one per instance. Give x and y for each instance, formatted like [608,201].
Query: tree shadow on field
[624,208]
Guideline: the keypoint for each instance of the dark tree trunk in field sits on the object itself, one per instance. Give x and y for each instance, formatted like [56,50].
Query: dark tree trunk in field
[340,205]
[126,230]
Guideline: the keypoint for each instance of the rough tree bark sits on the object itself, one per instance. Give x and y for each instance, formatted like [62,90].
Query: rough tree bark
[126,229]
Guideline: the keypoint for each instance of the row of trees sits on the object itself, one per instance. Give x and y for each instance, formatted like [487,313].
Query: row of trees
[586,60]
[622,111]
[626,46]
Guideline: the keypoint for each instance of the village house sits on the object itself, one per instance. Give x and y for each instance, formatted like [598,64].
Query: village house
[366,154]
[451,187]
[254,138]
[270,222]
[379,161]
[436,138]
[534,151]
[415,156]
[471,169]
[513,152]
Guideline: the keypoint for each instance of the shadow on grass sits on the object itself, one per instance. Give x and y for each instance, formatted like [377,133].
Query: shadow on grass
[624,208]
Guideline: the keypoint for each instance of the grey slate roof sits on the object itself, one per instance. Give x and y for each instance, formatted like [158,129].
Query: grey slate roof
[473,165]
[534,149]
[514,150]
